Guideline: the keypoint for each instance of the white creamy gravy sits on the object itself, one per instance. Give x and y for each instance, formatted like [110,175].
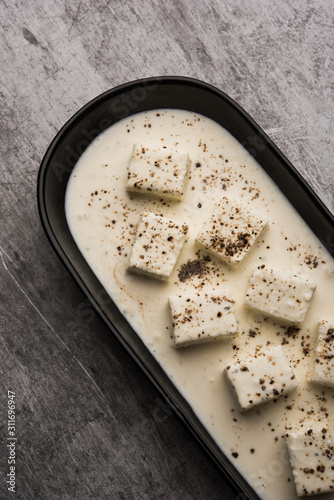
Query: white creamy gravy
[102,217]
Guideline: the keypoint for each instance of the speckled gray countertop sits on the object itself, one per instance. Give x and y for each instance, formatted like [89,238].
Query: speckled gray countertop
[89,424]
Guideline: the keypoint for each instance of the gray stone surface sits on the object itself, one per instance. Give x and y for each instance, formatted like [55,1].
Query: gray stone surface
[89,424]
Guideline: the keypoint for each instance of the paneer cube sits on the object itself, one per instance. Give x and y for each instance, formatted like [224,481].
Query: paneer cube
[202,317]
[285,296]
[157,246]
[231,231]
[311,456]
[323,371]
[158,171]
[265,376]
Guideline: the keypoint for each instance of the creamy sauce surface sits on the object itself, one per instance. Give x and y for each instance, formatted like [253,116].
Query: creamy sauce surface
[103,217]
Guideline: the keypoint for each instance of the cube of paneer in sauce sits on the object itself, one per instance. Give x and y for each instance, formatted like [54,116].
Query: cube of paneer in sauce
[311,454]
[323,370]
[202,317]
[157,171]
[157,246]
[262,377]
[231,231]
[284,295]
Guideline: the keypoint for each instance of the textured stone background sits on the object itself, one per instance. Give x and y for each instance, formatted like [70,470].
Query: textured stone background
[89,423]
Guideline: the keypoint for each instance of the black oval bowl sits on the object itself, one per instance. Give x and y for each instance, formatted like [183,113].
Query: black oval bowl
[73,139]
